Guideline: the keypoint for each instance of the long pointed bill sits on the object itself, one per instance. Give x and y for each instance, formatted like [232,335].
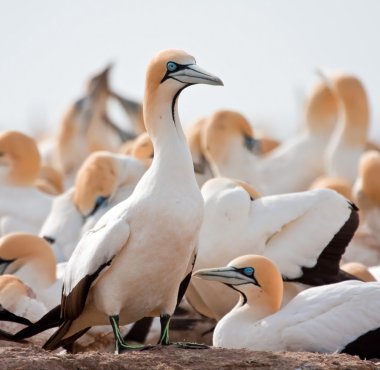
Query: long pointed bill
[226,275]
[193,74]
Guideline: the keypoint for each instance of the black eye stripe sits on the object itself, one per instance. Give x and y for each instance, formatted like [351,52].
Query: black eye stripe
[179,67]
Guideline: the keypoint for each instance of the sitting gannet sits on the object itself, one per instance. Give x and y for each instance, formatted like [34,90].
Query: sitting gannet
[304,233]
[342,317]
[137,260]
[365,247]
[228,144]
[23,207]
[359,270]
[142,149]
[31,259]
[104,180]
[349,139]
[202,168]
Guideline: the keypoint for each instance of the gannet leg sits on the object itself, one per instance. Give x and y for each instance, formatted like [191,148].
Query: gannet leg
[164,337]
[120,345]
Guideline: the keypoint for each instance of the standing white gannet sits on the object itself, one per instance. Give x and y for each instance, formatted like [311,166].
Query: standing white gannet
[342,317]
[365,246]
[104,180]
[31,259]
[202,168]
[137,260]
[302,156]
[350,137]
[22,206]
[304,233]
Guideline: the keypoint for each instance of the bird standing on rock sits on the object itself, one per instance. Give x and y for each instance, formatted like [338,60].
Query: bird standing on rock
[138,258]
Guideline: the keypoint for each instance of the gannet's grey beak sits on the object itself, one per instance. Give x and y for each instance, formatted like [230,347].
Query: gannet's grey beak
[226,275]
[193,74]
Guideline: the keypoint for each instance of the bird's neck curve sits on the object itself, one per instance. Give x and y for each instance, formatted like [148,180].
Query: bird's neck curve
[164,128]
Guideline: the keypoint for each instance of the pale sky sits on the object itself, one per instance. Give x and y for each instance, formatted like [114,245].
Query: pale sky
[265,51]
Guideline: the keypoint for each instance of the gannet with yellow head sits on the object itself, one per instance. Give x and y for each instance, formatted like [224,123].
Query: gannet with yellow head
[315,320]
[104,180]
[350,137]
[22,206]
[304,233]
[228,144]
[137,260]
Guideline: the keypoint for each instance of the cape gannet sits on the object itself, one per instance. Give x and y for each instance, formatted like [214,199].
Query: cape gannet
[342,317]
[359,270]
[137,260]
[104,180]
[22,206]
[349,140]
[31,259]
[304,233]
[302,155]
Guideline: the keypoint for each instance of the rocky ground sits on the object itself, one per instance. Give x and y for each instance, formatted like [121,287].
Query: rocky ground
[32,357]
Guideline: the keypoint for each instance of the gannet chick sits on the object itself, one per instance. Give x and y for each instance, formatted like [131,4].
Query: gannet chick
[137,260]
[31,259]
[304,233]
[350,137]
[104,180]
[302,155]
[314,321]
[202,168]
[341,186]
[22,206]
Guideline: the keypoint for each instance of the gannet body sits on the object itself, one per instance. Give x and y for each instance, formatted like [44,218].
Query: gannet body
[133,262]
[304,233]
[316,320]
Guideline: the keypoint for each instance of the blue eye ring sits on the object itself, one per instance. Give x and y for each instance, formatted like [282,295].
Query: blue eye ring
[171,66]
[248,271]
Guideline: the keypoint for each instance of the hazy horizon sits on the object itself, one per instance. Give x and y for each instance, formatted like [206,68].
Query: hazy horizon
[265,52]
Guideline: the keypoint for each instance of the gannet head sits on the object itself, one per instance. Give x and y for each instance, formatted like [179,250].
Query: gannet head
[50,180]
[142,149]
[168,73]
[338,184]
[322,108]
[368,186]
[250,275]
[95,182]
[30,253]
[224,128]
[19,158]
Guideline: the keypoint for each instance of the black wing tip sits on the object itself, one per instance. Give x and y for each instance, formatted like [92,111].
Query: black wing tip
[353,206]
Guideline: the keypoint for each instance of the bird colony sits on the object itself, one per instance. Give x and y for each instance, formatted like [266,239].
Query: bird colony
[109,233]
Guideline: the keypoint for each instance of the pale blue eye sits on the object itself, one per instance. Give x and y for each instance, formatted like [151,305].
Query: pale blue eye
[171,66]
[248,271]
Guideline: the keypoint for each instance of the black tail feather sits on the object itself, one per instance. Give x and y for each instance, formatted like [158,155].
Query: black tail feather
[50,320]
[6,315]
